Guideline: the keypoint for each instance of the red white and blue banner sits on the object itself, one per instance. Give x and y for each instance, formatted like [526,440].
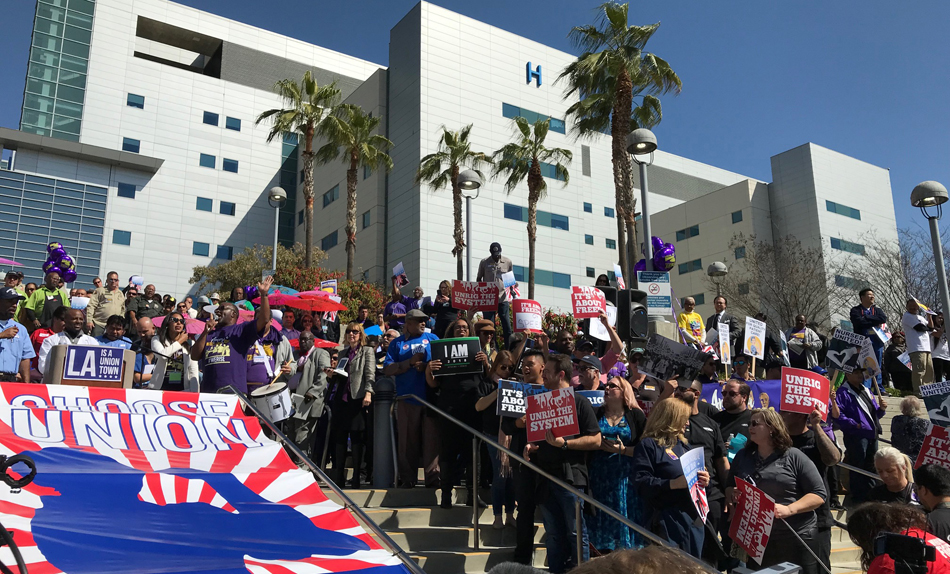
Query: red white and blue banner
[145,481]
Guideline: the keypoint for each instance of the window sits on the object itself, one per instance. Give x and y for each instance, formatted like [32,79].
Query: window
[843,210]
[740,252]
[329,241]
[127,190]
[690,266]
[135,101]
[542,277]
[849,282]
[611,276]
[230,165]
[225,252]
[736,217]
[743,288]
[204,204]
[210,118]
[842,245]
[367,171]
[300,217]
[545,218]
[233,124]
[585,160]
[549,170]
[510,111]
[131,145]
[588,208]
[700,299]
[367,219]
[226,208]
[611,243]
[331,196]
[121,237]
[200,249]
[687,233]
[589,239]
[608,212]
[207,161]
[591,272]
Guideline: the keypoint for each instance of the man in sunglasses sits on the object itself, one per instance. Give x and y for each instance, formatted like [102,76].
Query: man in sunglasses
[589,368]
[733,419]
[740,369]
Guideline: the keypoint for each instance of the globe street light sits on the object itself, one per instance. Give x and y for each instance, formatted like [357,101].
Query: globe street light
[276,198]
[933,194]
[469,180]
[641,142]
[717,271]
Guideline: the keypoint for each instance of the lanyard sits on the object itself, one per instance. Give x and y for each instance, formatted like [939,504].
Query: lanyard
[260,352]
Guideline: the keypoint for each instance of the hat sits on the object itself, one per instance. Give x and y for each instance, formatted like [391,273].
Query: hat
[585,343]
[417,315]
[820,370]
[203,300]
[169,299]
[636,350]
[484,325]
[215,296]
[10,293]
[593,362]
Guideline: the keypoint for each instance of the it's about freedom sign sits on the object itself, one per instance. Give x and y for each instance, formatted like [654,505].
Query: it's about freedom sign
[587,302]
[94,364]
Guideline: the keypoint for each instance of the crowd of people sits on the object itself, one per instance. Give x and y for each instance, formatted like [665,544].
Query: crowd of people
[626,453]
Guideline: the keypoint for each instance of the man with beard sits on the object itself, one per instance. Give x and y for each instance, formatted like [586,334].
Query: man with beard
[72,335]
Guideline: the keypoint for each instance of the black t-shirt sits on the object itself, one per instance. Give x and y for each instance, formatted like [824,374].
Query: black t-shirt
[707,409]
[938,521]
[805,442]
[490,421]
[733,424]
[702,431]
[880,493]
[570,465]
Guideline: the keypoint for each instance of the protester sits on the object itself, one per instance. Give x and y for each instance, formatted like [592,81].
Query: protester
[932,484]
[741,368]
[15,348]
[647,390]
[803,345]
[491,270]
[690,323]
[418,439]
[72,335]
[868,522]
[442,309]
[39,335]
[384,342]
[189,309]
[589,369]
[175,370]
[264,363]
[306,324]
[96,283]
[610,469]
[897,477]
[287,321]
[145,358]
[708,379]
[39,307]
[144,306]
[733,419]
[666,507]
[859,420]
[395,311]
[565,459]
[909,427]
[721,320]
[940,350]
[786,475]
[349,404]
[502,484]
[104,303]
[312,365]
[895,373]
[917,329]
[602,281]
[865,317]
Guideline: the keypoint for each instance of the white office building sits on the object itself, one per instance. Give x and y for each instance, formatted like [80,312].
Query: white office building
[149,106]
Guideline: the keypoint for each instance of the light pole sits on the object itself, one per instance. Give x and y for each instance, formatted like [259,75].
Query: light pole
[717,271]
[469,180]
[276,198]
[933,194]
[642,142]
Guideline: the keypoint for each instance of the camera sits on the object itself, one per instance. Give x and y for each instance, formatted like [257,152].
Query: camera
[910,553]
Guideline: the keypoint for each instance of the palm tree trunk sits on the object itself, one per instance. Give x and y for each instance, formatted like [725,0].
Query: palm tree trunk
[534,181]
[459,234]
[308,197]
[351,215]
[621,243]
[623,176]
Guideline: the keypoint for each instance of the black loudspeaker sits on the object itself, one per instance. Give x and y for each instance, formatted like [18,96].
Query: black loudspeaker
[632,320]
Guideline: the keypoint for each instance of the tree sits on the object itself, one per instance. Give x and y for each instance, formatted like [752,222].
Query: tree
[349,130]
[454,153]
[307,106]
[611,72]
[521,160]
[246,267]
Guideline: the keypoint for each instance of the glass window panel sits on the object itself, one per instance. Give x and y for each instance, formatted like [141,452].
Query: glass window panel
[27,128]
[66,136]
[41,213]
[40,87]
[78,34]
[44,10]
[59,226]
[367,218]
[590,272]
[42,72]
[72,202]
[76,49]
[224,252]
[69,93]
[130,145]
[82,6]
[37,188]
[557,126]
[73,63]
[206,160]
[47,42]
[8,218]
[510,111]
[23,236]
[66,124]
[226,208]
[46,57]
[560,222]
[37,221]
[588,207]
[736,216]
[72,194]
[210,118]
[200,249]
[230,165]
[95,190]
[74,79]
[89,245]
[126,190]
[120,237]
[543,218]
[514,212]
[79,19]
[37,119]
[589,239]
[204,204]
[67,210]
[135,101]
[68,109]
[233,124]
[37,204]
[91,231]
[48,27]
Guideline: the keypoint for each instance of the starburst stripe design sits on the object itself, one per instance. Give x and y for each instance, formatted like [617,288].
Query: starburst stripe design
[162,489]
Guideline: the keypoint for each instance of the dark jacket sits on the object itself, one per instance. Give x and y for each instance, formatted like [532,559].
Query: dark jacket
[853,419]
[713,323]
[864,320]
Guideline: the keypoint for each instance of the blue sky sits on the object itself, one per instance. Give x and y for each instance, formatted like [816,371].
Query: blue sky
[867,79]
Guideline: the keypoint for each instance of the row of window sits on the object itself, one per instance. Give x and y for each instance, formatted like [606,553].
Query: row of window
[690,266]
[847,246]
[207,204]
[849,282]
[199,248]
[542,277]
[366,218]
[510,111]
[230,123]
[544,218]
[332,195]
[608,211]
[843,210]
[687,233]
[207,160]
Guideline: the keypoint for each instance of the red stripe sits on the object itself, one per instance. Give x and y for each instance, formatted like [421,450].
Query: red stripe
[336,520]
[309,495]
[339,564]
[181,489]
[14,509]
[207,494]
[40,568]
[154,483]
[370,541]
[23,538]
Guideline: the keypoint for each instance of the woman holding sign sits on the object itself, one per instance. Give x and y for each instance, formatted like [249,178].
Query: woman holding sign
[770,463]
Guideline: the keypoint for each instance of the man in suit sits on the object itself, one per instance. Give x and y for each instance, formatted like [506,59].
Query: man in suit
[721,317]
[312,386]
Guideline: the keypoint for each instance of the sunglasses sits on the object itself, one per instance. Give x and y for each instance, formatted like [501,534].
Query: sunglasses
[176,320]
[611,386]
[755,423]
[352,332]
[506,367]
[635,359]
[737,363]
[730,394]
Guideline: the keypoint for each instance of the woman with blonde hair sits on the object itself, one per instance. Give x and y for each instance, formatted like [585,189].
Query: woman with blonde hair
[897,475]
[666,507]
[349,399]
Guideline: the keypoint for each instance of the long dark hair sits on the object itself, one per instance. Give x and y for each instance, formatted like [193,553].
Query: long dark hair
[875,518]
[165,329]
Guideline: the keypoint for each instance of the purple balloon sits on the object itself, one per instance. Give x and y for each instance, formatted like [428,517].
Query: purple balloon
[55,269]
[69,276]
[657,243]
[48,265]
[66,263]
[57,254]
[665,258]
[250,292]
[640,266]
[54,245]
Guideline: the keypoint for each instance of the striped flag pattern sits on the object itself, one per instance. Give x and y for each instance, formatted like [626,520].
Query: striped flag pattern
[162,489]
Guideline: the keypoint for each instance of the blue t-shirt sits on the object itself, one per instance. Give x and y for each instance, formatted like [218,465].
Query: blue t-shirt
[225,357]
[120,343]
[403,348]
[14,350]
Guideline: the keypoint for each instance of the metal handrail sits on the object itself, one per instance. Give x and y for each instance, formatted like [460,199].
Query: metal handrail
[347,501]
[478,435]
[859,471]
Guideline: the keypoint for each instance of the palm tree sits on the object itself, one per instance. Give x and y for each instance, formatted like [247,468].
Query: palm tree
[522,159]
[308,106]
[349,130]
[611,72]
[454,153]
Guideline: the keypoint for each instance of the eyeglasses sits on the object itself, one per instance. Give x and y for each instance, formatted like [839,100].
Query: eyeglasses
[611,386]
[352,332]
[508,368]
[755,423]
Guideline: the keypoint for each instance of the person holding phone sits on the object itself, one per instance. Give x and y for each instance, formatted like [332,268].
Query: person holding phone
[354,375]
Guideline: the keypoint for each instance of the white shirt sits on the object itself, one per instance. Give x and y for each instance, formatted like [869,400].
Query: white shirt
[940,348]
[917,341]
[193,313]
[60,339]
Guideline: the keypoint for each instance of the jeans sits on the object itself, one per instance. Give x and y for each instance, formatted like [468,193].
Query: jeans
[504,308]
[859,452]
[502,487]
[879,355]
[557,513]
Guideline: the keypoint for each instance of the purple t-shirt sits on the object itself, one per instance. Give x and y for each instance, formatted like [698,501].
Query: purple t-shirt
[393,307]
[256,365]
[225,357]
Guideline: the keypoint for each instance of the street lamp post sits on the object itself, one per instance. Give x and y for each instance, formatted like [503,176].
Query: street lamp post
[642,142]
[276,198]
[469,180]
[717,271]
[933,194]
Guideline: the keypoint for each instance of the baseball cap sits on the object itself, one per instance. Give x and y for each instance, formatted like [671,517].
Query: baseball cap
[820,370]
[417,315]
[636,350]
[203,300]
[10,293]
[585,344]
[593,362]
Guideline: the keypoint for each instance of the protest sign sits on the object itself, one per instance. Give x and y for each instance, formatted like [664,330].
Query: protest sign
[664,359]
[597,329]
[554,411]
[844,348]
[512,397]
[904,358]
[937,401]
[804,391]
[752,521]
[783,343]
[712,394]
[587,302]
[93,364]
[693,462]
[867,359]
[330,286]
[508,279]
[656,284]
[596,398]
[399,272]
[475,296]
[527,315]
[725,348]
[754,343]
[619,275]
[457,356]
[936,448]
[883,333]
